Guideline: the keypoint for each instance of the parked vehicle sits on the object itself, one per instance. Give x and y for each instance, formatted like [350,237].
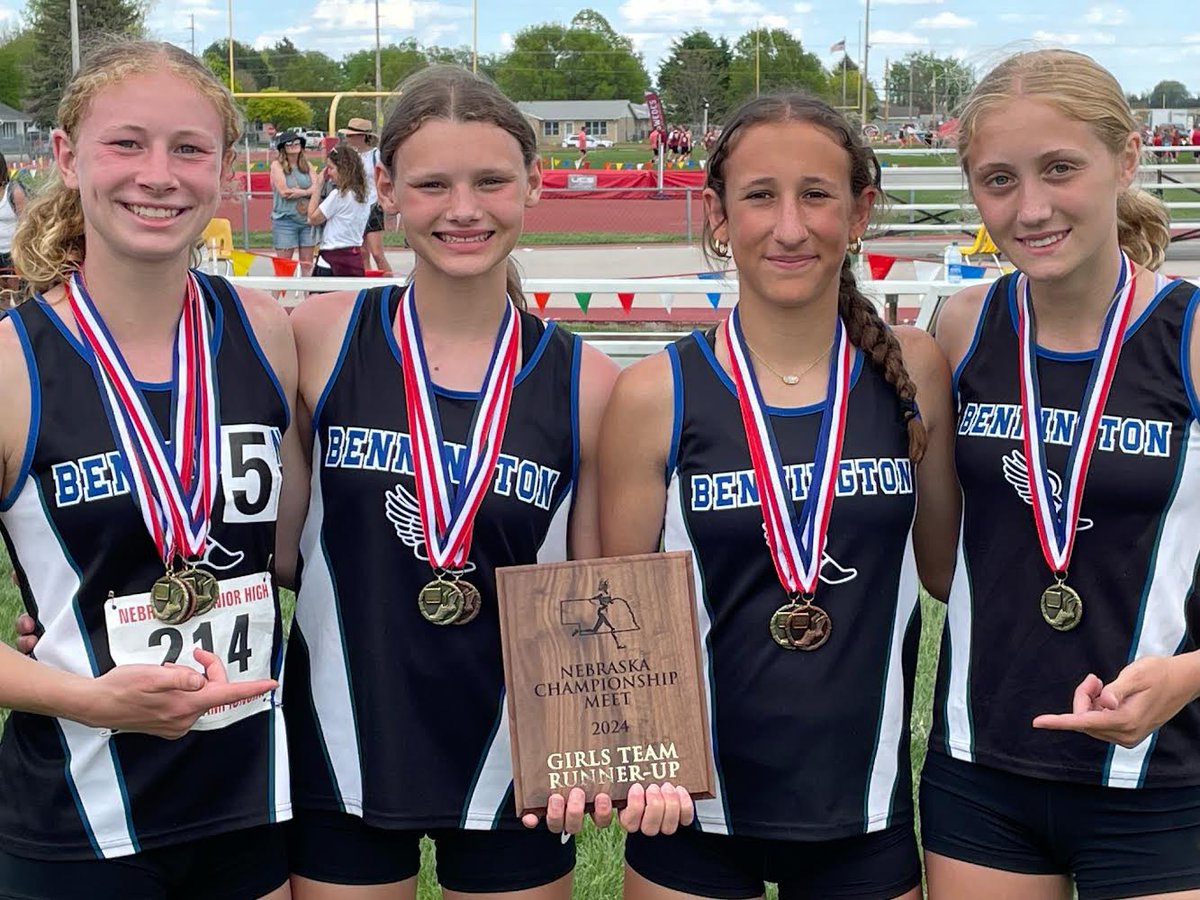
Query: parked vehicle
[572,142]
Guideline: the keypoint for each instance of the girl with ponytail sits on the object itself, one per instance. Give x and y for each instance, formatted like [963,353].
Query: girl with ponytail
[393,699]
[805,418]
[1076,451]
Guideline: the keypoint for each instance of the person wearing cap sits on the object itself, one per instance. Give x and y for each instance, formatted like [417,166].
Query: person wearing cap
[360,135]
[291,185]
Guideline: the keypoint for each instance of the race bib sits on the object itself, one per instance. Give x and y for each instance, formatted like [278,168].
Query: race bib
[240,629]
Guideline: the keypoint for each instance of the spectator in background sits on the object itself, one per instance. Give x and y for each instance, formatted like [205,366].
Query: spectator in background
[291,185]
[656,145]
[344,213]
[12,204]
[359,135]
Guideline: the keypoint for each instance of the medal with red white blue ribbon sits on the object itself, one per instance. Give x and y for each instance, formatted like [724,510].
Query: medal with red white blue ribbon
[1057,523]
[796,543]
[173,486]
[448,509]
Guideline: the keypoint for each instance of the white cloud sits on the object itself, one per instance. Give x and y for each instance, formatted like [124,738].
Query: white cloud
[773,21]
[1106,14]
[700,14]
[1191,38]
[898,37]
[1074,38]
[945,19]
[802,8]
[506,41]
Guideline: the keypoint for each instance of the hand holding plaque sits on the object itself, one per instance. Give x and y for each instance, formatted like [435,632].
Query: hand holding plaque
[603,672]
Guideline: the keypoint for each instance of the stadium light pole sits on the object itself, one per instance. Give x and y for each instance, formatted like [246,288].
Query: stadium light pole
[475,36]
[74,36]
[378,72]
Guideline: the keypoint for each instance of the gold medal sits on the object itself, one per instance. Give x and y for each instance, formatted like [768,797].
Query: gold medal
[172,599]
[204,586]
[1062,607]
[440,602]
[471,602]
[800,626]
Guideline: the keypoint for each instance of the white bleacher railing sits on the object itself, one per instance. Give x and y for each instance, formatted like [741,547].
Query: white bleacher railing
[628,345]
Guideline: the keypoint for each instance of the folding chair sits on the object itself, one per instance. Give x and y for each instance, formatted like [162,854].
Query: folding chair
[218,244]
[983,245]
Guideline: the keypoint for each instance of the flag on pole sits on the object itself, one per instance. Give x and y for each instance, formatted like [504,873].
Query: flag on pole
[839,47]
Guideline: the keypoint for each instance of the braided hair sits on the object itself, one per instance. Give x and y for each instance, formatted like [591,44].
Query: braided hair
[864,327]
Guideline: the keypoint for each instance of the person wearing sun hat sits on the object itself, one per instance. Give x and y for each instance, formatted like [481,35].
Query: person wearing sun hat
[291,184]
[360,134]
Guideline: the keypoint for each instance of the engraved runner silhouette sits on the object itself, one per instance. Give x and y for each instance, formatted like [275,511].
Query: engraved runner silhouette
[603,600]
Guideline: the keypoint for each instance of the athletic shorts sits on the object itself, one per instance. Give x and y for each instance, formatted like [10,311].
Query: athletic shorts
[339,848]
[288,232]
[374,219]
[236,865]
[1114,842]
[877,866]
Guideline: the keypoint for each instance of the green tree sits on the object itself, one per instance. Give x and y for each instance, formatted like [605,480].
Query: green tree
[17,49]
[250,70]
[50,67]
[1168,95]
[925,84]
[771,60]
[844,91]
[695,74]
[283,112]
[305,70]
[396,62]
[587,61]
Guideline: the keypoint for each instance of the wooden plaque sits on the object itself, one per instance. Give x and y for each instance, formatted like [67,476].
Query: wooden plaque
[604,679]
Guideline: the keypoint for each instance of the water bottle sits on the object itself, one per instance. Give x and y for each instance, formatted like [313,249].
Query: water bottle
[953,261]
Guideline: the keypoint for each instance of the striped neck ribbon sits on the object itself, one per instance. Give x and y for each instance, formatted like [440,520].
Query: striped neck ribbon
[796,542]
[447,506]
[173,481]
[1057,522]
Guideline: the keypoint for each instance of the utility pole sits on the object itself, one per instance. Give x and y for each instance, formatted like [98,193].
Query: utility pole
[866,66]
[74,36]
[192,29]
[887,94]
[475,36]
[757,64]
[230,12]
[378,72]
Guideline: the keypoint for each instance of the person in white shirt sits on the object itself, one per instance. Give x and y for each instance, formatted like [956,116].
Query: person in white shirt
[343,212]
[359,135]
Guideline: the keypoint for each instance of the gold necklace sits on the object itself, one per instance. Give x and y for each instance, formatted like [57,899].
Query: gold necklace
[787,379]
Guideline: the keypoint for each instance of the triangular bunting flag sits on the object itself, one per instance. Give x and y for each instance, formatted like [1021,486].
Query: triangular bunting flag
[541,298]
[583,298]
[667,300]
[241,261]
[626,300]
[926,271]
[715,297]
[284,268]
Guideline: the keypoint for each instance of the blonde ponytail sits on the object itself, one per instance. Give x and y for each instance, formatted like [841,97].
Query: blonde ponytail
[1143,227]
[48,243]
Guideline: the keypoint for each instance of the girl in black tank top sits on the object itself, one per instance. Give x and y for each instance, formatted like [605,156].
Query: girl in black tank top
[396,702]
[1065,738]
[147,414]
[725,438]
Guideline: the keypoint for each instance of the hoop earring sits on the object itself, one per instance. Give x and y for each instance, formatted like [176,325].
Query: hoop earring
[855,246]
[721,248]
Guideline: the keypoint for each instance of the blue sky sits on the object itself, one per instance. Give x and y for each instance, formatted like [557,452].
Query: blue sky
[1140,43]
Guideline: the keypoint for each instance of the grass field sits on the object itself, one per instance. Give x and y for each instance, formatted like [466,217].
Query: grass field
[598,868]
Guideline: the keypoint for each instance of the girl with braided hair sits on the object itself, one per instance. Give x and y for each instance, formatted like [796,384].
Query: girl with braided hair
[1065,751]
[805,418]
